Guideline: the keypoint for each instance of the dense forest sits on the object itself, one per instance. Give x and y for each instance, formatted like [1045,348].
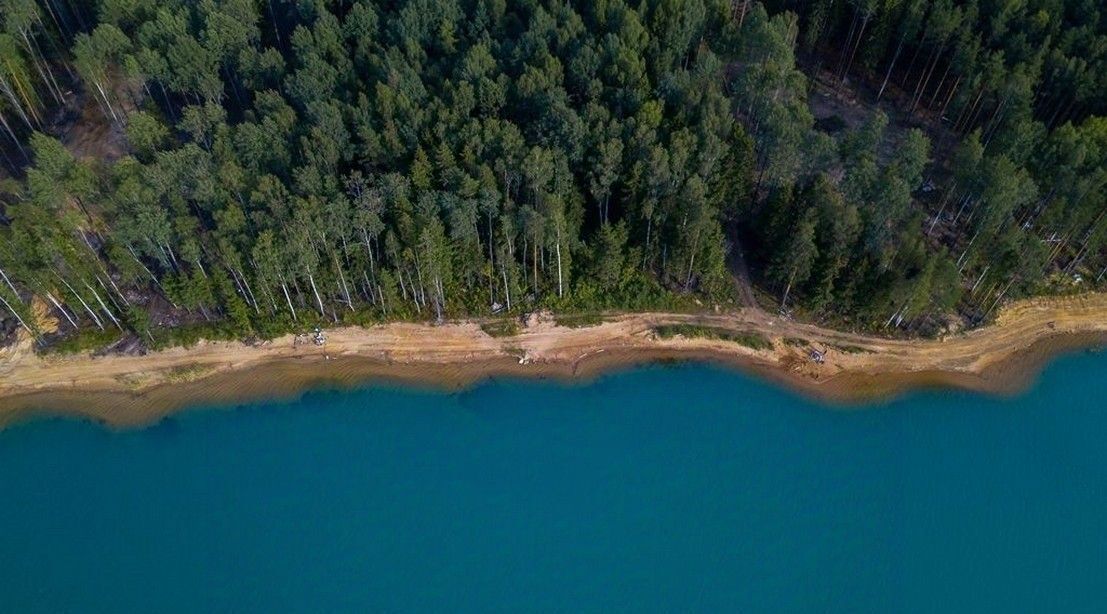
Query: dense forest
[263,166]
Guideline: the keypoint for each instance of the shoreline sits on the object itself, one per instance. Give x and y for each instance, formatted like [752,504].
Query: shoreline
[1002,358]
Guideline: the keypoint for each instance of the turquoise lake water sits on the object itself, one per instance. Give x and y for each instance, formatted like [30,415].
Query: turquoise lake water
[665,489]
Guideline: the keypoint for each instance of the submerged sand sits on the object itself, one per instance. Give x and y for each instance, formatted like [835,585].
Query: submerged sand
[1003,357]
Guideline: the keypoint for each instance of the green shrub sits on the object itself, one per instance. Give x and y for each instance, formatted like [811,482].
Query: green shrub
[751,340]
[508,327]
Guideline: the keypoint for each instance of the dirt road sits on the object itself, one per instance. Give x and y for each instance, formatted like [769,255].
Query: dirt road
[996,357]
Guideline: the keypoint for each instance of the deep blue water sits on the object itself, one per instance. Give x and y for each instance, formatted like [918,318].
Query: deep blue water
[665,489]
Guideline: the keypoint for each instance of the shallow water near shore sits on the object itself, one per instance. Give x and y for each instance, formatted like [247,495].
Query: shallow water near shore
[665,488]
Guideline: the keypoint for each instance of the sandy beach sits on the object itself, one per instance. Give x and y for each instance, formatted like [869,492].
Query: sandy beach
[1001,358]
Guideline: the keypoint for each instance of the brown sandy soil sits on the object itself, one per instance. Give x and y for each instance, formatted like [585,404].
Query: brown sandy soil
[1001,358]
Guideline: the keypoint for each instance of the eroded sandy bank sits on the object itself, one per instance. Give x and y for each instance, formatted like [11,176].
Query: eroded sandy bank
[123,390]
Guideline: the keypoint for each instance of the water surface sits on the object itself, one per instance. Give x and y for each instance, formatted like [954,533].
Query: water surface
[663,489]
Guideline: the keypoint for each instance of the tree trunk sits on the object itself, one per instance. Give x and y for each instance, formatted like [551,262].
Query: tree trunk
[168,103]
[288,298]
[924,78]
[62,29]
[491,264]
[61,308]
[966,252]
[88,309]
[941,82]
[10,92]
[17,317]
[250,291]
[526,281]
[999,297]
[172,257]
[965,201]
[992,126]
[107,293]
[111,281]
[403,288]
[1065,113]
[888,74]
[272,301]
[914,59]
[841,73]
[9,282]
[315,290]
[11,133]
[48,81]
[692,261]
[941,210]
[422,288]
[949,97]
[153,277]
[439,299]
[978,280]
[342,279]
[739,8]
[276,30]
[107,102]
[103,306]
[974,114]
[507,288]
[237,283]
[864,24]
[558,247]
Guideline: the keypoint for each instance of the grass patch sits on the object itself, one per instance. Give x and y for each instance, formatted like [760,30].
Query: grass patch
[751,340]
[795,342]
[188,335]
[133,381]
[851,349]
[186,373]
[579,320]
[84,340]
[501,328]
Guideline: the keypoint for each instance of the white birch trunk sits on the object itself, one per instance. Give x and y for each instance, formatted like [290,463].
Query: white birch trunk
[319,300]
[61,308]
[16,314]
[91,313]
[103,306]
[557,246]
[9,282]
[289,299]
